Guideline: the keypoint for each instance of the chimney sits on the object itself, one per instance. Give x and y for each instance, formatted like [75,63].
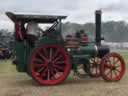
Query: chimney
[98,37]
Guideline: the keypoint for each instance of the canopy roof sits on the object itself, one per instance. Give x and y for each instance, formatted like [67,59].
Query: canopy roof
[37,18]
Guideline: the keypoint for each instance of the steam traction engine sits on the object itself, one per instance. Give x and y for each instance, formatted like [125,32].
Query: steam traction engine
[49,58]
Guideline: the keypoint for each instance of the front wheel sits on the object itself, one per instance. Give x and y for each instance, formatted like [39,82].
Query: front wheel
[112,67]
[49,64]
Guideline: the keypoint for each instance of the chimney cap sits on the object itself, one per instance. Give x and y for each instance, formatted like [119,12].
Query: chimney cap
[98,11]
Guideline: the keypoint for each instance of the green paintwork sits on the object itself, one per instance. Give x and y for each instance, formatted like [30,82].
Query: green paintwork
[88,49]
[20,55]
[53,36]
[23,51]
[50,39]
[78,54]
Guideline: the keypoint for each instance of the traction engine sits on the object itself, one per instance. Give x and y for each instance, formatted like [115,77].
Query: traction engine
[49,58]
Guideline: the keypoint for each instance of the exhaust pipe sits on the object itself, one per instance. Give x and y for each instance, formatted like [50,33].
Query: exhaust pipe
[98,37]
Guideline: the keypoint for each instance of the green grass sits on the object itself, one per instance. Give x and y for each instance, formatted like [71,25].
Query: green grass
[7,67]
[125,56]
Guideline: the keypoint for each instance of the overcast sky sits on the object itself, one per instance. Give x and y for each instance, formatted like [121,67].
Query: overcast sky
[79,11]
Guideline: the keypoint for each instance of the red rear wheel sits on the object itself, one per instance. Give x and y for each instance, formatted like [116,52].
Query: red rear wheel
[95,67]
[112,67]
[49,64]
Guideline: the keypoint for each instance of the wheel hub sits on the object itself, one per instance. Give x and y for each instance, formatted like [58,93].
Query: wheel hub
[49,63]
[113,68]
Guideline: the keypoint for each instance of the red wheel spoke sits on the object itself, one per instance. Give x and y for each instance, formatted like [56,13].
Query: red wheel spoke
[59,68]
[43,57]
[56,53]
[115,73]
[52,72]
[44,72]
[117,66]
[50,54]
[57,58]
[48,75]
[37,60]
[109,62]
[60,62]
[107,66]
[56,70]
[116,62]
[108,72]
[111,67]
[118,70]
[41,69]
[38,65]
[46,52]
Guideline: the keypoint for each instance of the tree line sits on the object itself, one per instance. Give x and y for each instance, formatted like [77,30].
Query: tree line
[112,31]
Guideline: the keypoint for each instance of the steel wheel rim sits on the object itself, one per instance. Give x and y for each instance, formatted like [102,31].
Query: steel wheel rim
[113,67]
[52,71]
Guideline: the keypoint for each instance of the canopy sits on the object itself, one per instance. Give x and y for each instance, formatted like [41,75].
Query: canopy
[36,18]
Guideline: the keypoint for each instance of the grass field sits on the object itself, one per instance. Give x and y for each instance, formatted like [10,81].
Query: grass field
[13,83]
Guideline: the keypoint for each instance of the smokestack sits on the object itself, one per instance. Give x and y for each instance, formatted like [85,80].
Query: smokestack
[98,15]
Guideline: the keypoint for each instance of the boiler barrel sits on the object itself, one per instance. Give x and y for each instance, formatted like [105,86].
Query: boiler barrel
[90,50]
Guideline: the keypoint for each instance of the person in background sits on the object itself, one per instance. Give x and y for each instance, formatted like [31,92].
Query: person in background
[84,36]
